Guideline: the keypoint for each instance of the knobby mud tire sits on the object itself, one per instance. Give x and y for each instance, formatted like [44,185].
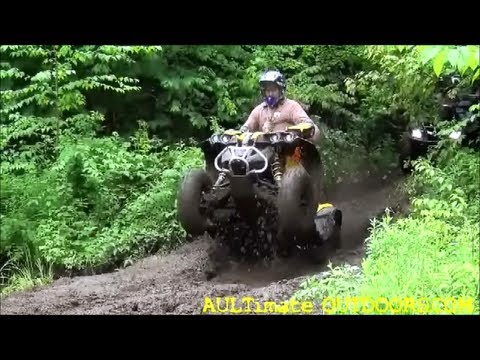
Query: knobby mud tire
[189,198]
[297,205]
[244,241]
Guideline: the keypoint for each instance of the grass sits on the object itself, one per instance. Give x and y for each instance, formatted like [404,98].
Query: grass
[345,159]
[33,273]
[425,263]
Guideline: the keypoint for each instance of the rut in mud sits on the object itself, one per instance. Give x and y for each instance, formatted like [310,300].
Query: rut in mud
[175,283]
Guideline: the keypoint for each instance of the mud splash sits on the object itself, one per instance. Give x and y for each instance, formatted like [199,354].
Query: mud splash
[175,283]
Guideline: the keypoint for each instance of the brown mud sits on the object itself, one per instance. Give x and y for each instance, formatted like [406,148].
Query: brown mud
[175,283]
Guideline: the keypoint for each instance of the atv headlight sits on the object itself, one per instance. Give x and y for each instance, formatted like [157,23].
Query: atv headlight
[288,137]
[455,135]
[416,133]
[274,137]
[226,138]
[214,138]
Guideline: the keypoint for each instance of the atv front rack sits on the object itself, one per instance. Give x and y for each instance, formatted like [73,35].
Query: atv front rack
[238,164]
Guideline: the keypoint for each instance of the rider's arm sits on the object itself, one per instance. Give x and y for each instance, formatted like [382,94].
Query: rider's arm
[299,116]
[252,123]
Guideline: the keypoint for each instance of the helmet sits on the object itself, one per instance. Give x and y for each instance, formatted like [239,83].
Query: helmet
[273,77]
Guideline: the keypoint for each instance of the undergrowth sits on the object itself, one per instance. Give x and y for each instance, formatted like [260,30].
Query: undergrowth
[103,204]
[424,263]
[345,158]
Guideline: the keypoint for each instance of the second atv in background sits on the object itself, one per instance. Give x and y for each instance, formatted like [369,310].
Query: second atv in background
[417,140]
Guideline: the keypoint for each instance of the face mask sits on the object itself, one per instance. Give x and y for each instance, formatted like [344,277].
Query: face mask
[271,100]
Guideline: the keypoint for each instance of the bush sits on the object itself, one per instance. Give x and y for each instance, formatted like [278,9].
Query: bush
[434,252]
[103,203]
[343,156]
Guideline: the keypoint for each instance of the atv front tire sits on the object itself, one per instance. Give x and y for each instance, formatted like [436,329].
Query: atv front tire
[190,215]
[297,205]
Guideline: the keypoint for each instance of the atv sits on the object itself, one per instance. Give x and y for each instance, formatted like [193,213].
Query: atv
[417,141]
[259,194]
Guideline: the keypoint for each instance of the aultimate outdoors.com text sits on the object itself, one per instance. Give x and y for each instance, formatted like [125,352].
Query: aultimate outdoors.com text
[338,305]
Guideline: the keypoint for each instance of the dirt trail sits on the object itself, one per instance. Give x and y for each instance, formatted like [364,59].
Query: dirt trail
[175,283]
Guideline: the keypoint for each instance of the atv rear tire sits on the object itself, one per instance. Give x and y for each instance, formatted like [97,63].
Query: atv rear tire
[189,198]
[297,205]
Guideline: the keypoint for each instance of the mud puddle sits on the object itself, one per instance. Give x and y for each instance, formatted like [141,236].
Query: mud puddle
[175,283]
[360,201]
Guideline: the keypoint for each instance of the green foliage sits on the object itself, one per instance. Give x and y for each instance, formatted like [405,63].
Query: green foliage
[453,184]
[45,100]
[315,76]
[94,138]
[340,281]
[461,59]
[103,203]
[344,157]
[396,91]
[33,272]
[70,200]
[434,252]
[188,86]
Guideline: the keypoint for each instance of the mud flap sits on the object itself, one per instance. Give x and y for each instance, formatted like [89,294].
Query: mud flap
[328,221]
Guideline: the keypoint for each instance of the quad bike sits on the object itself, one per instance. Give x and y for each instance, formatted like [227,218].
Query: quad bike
[417,141]
[259,194]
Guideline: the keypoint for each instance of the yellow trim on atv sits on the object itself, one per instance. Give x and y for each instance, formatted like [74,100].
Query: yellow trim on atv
[256,134]
[232,132]
[323,206]
[300,127]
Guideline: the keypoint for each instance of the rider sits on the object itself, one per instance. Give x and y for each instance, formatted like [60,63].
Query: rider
[277,112]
